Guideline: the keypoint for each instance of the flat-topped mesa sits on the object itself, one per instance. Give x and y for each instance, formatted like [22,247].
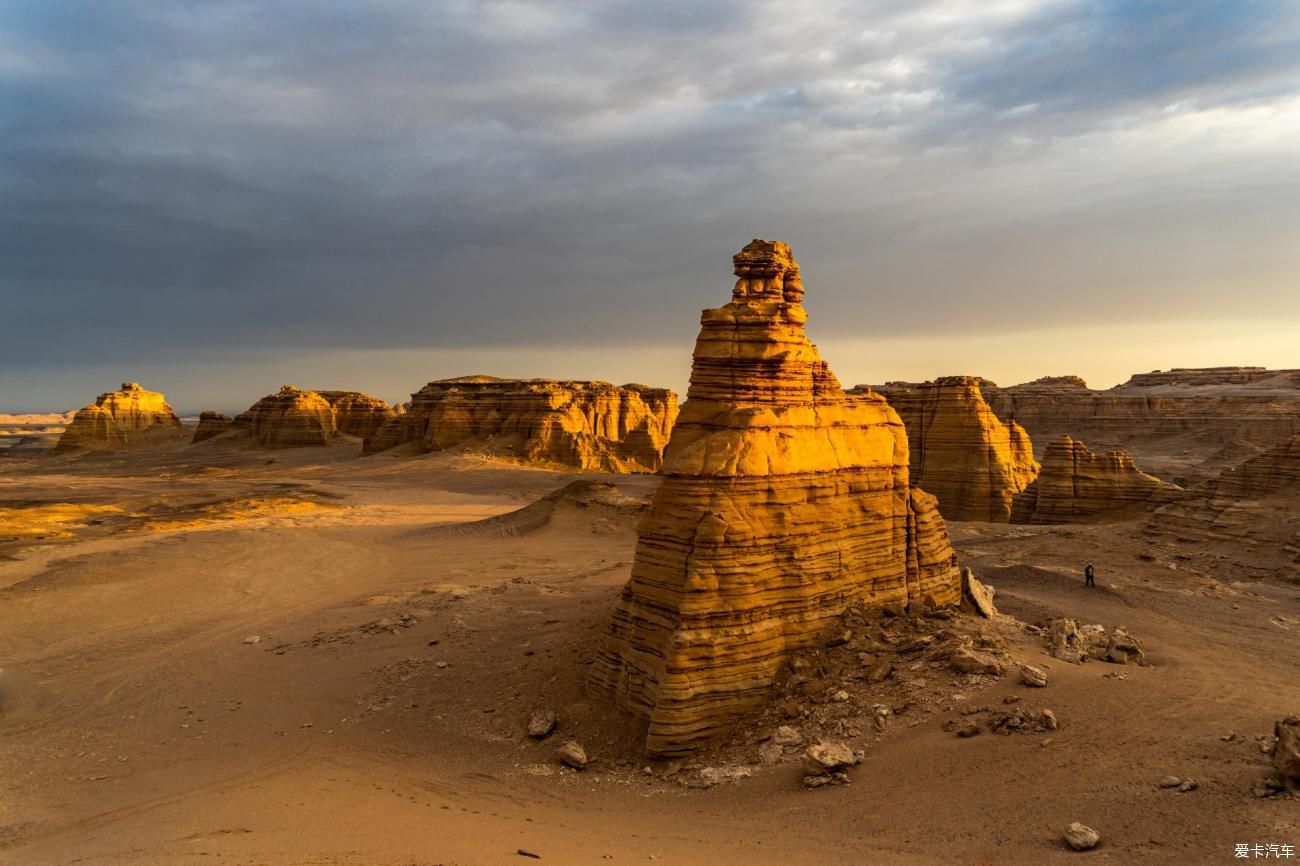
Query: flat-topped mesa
[295,417]
[128,418]
[1200,377]
[586,425]
[972,462]
[1077,485]
[784,501]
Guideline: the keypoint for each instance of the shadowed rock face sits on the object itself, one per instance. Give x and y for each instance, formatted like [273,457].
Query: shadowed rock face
[588,425]
[973,463]
[127,418]
[1076,484]
[294,417]
[1253,509]
[211,424]
[784,501]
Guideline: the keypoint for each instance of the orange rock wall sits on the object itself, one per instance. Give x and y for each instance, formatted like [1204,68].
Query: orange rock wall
[1076,484]
[126,418]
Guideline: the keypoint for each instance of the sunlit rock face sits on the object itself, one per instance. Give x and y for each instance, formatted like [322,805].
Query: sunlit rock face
[295,418]
[784,501]
[211,425]
[130,417]
[586,425]
[972,462]
[1076,484]
[1251,510]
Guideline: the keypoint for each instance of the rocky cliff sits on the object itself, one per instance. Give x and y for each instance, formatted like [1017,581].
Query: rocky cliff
[971,461]
[588,425]
[1183,425]
[126,418]
[294,417]
[1249,514]
[784,501]
[1076,485]
[211,425]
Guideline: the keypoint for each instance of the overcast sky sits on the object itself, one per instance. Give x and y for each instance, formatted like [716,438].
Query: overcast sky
[215,198]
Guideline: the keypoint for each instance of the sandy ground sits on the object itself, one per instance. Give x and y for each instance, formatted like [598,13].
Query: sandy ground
[305,657]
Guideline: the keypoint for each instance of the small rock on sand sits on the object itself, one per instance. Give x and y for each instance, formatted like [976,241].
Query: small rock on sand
[827,756]
[1032,676]
[572,754]
[541,723]
[1170,782]
[787,736]
[1081,837]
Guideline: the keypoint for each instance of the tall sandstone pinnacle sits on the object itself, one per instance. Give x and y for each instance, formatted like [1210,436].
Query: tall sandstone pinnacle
[126,418]
[972,462]
[1077,484]
[784,501]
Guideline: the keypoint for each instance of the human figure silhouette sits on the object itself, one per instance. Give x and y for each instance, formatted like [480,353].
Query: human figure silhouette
[1088,574]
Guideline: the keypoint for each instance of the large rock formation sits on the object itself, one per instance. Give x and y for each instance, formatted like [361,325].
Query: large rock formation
[211,425]
[972,462]
[294,417]
[1183,425]
[784,501]
[589,425]
[127,418]
[1076,484]
[1250,514]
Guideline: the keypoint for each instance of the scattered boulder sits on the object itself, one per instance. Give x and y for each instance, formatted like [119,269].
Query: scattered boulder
[967,729]
[787,736]
[978,595]
[541,723]
[572,754]
[879,671]
[1032,676]
[969,661]
[1123,648]
[1170,782]
[825,762]
[1065,641]
[1081,837]
[1286,749]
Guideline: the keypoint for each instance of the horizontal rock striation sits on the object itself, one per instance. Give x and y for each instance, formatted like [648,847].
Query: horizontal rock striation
[587,425]
[1251,511]
[971,461]
[784,501]
[1183,425]
[130,417]
[296,418]
[1077,485]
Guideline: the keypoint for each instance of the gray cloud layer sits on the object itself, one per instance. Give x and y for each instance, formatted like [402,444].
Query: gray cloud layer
[190,177]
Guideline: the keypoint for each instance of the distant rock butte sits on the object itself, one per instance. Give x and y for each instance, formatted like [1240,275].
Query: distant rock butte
[784,501]
[972,462]
[294,417]
[1252,510]
[587,425]
[211,424]
[128,418]
[1076,485]
[1183,425]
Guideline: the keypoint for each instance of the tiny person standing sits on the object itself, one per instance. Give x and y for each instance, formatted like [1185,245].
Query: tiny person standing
[1088,575]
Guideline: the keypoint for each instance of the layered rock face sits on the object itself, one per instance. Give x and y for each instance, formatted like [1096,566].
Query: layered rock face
[1076,484]
[588,425]
[123,419]
[211,424]
[295,418]
[960,451]
[1183,425]
[1251,510]
[784,501]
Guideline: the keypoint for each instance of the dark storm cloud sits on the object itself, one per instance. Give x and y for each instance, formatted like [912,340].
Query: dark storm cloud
[189,176]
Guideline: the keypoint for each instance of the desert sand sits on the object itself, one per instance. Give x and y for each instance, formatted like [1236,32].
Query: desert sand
[319,658]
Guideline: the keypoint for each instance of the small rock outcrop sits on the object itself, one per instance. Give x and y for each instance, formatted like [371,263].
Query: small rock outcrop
[211,425]
[1077,485]
[972,462]
[126,418]
[587,425]
[1286,750]
[784,502]
[295,417]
